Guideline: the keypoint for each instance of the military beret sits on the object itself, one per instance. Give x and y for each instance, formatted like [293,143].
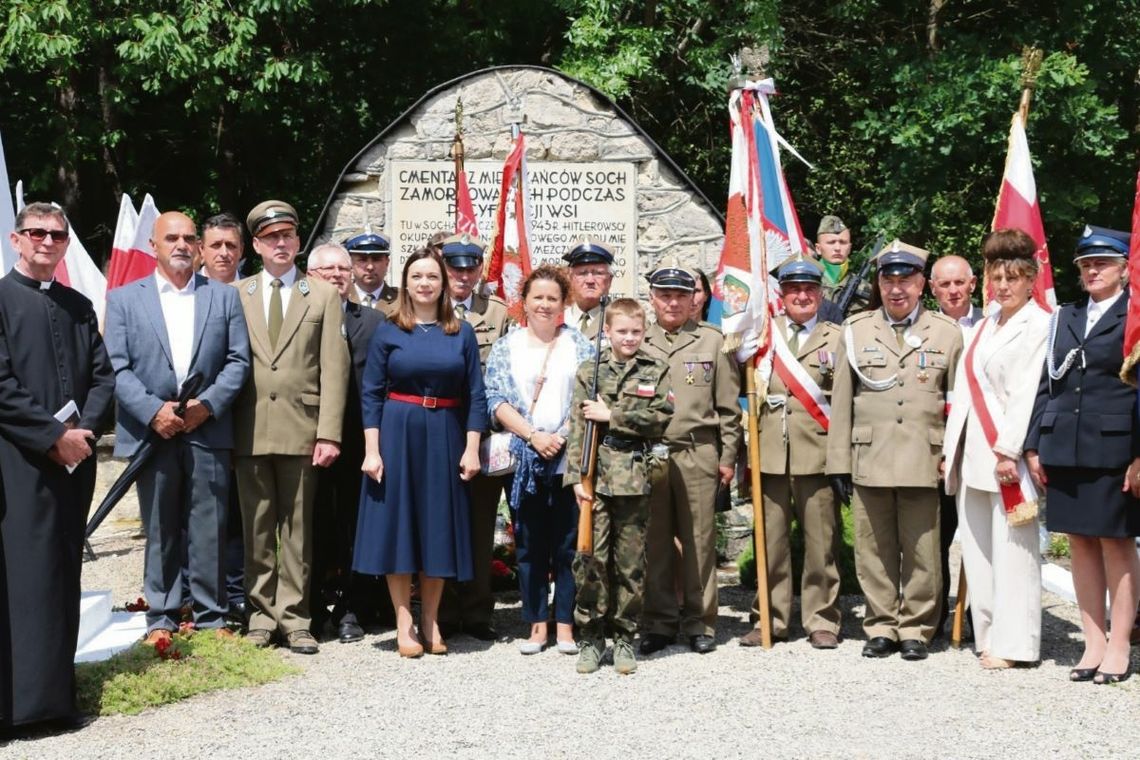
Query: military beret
[830,225]
[899,258]
[588,252]
[800,270]
[368,244]
[1101,241]
[670,274]
[463,251]
[268,213]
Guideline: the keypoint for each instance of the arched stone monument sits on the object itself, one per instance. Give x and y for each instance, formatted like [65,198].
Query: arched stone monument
[592,173]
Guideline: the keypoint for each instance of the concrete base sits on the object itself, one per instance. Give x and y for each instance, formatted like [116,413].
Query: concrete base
[103,632]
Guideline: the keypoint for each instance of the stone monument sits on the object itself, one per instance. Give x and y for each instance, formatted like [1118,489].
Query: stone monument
[591,173]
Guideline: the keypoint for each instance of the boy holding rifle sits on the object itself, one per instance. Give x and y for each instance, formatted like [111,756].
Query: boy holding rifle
[622,404]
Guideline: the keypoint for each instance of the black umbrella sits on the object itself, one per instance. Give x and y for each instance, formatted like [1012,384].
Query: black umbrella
[119,488]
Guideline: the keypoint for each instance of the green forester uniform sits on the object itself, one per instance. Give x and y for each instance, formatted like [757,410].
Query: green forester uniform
[640,402]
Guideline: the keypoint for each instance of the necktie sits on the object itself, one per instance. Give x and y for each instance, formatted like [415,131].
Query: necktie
[276,313]
[460,311]
[583,321]
[900,331]
[369,299]
[794,342]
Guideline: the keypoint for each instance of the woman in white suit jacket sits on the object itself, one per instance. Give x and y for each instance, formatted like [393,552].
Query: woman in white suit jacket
[995,388]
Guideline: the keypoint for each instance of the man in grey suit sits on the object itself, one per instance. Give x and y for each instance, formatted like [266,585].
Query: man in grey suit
[159,330]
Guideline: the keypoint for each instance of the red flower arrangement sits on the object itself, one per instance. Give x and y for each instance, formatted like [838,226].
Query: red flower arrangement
[138,605]
[167,650]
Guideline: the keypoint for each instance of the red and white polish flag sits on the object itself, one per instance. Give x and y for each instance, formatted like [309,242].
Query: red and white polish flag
[1017,208]
[132,256]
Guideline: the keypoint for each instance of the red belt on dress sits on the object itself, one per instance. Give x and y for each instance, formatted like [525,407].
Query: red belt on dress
[428,402]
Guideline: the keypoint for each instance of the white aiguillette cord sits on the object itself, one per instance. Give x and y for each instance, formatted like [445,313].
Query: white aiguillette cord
[875,385]
[1056,373]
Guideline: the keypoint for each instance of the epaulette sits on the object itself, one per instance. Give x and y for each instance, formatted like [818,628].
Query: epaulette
[939,315]
[495,299]
[860,316]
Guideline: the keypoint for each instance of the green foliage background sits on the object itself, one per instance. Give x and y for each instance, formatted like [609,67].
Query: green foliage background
[902,107]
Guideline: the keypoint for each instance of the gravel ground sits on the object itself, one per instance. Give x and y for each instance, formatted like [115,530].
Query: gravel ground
[486,700]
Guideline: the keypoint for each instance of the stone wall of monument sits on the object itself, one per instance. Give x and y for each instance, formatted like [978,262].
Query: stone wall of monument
[564,121]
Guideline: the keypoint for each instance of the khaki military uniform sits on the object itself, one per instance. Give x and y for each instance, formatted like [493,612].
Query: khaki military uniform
[295,395]
[592,323]
[473,602]
[793,452]
[890,441]
[610,588]
[862,297]
[704,433]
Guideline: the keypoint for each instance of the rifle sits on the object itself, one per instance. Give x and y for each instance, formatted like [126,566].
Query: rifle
[847,295]
[587,468]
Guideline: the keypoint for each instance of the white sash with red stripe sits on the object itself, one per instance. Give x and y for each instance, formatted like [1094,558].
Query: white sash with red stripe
[796,379]
[1020,498]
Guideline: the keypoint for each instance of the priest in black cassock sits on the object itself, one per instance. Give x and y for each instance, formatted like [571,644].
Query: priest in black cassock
[50,353]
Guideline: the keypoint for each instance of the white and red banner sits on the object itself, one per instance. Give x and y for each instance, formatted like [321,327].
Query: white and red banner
[741,288]
[464,209]
[799,381]
[1017,208]
[509,263]
[136,260]
[7,217]
[1019,499]
[1132,323]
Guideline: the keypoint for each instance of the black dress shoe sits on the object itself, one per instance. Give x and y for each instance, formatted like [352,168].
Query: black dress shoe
[880,646]
[1082,674]
[654,642]
[1102,678]
[702,644]
[913,649]
[348,632]
[481,631]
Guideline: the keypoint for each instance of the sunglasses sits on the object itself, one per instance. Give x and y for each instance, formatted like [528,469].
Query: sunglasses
[37,234]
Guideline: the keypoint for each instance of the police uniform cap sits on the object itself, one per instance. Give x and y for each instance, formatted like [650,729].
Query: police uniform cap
[269,213]
[899,258]
[588,252]
[800,270]
[1101,241]
[463,251]
[830,225]
[670,274]
[368,244]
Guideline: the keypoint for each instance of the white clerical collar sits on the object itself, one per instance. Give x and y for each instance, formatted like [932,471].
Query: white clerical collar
[166,286]
[41,284]
[287,279]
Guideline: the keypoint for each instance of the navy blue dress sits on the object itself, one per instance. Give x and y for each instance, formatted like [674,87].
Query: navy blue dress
[416,519]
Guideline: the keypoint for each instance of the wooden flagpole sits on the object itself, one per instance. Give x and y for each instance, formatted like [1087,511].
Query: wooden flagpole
[758,534]
[1030,64]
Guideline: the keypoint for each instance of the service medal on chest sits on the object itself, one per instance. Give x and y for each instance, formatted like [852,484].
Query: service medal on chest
[922,375]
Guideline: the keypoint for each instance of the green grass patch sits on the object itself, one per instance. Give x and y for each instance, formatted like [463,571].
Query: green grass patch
[848,583]
[137,678]
[1058,545]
